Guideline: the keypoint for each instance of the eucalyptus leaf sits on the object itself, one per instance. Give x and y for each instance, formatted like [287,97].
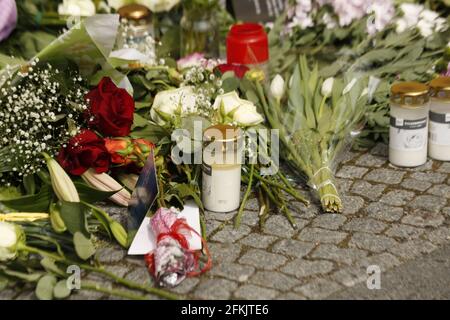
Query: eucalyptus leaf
[83,246]
[61,290]
[45,286]
[74,217]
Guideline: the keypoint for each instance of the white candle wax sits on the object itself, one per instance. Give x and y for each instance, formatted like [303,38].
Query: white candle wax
[408,135]
[439,144]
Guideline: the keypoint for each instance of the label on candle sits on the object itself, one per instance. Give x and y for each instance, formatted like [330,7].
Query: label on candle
[408,135]
[440,128]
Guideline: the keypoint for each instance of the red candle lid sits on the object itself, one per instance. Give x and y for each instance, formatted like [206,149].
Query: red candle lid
[247,43]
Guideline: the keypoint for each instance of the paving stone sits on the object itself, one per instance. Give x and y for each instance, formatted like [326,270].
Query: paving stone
[365,225]
[368,190]
[224,252]
[274,280]
[370,160]
[412,248]
[414,184]
[444,167]
[304,268]
[351,172]
[381,211]
[347,156]
[319,288]
[371,242]
[252,204]
[7,294]
[388,176]
[384,260]
[118,270]
[343,185]
[211,226]
[442,190]
[329,221]
[219,216]
[257,240]
[352,204]
[349,276]
[397,197]
[318,235]
[341,255]
[422,218]
[278,225]
[230,234]
[293,248]
[220,289]
[252,292]
[135,261]
[110,254]
[380,149]
[233,271]
[262,259]
[439,236]
[186,286]
[433,177]
[290,296]
[140,275]
[428,202]
[404,231]
[250,218]
[446,212]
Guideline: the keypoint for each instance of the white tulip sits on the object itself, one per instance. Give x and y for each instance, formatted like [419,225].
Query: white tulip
[277,87]
[349,86]
[168,102]
[10,235]
[247,115]
[77,8]
[228,101]
[327,87]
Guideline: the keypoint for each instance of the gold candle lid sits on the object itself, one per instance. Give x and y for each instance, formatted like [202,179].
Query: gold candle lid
[222,133]
[135,12]
[440,88]
[410,94]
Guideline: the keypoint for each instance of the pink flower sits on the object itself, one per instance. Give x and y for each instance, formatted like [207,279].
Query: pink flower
[192,60]
[8,18]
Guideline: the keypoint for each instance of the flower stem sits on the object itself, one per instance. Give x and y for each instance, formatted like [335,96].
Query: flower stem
[237,221]
[113,292]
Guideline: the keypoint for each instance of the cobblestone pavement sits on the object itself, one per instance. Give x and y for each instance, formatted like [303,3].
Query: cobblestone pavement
[391,217]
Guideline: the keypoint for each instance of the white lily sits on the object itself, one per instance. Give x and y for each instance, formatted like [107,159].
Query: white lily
[62,184]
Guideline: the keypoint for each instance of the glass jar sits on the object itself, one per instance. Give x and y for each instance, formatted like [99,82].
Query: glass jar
[137,31]
[439,144]
[199,32]
[247,44]
[408,133]
[222,161]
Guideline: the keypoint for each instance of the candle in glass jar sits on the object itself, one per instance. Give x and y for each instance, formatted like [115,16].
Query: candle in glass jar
[408,132]
[439,143]
[221,178]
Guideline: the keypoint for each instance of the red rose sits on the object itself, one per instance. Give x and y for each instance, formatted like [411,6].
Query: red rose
[238,69]
[85,150]
[111,109]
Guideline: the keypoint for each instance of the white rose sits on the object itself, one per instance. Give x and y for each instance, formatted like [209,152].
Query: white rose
[277,87]
[168,103]
[159,5]
[327,86]
[247,115]
[228,101]
[10,235]
[79,8]
[117,4]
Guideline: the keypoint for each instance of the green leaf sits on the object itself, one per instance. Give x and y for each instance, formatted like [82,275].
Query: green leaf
[74,217]
[29,184]
[50,265]
[61,291]
[91,195]
[45,286]
[33,203]
[29,277]
[83,246]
